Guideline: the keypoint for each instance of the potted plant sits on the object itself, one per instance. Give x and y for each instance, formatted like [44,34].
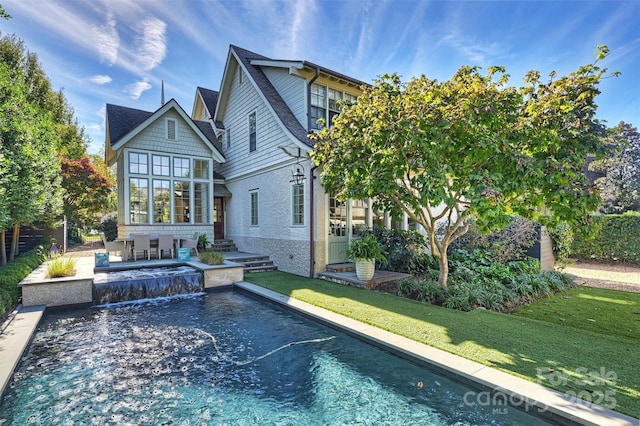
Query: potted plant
[364,252]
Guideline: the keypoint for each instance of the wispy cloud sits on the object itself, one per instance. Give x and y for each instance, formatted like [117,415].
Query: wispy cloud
[151,44]
[135,90]
[100,79]
[107,40]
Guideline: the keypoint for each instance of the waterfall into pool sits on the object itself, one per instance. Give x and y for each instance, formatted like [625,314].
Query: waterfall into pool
[145,283]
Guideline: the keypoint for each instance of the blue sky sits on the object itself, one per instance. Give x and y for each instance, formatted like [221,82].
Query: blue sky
[119,51]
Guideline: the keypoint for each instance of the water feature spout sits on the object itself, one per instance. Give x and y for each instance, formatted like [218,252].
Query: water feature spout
[146,283]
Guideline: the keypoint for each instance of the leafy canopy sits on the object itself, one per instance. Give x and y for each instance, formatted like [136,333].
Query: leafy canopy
[471,147]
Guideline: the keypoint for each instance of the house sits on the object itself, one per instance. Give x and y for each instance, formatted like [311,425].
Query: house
[238,168]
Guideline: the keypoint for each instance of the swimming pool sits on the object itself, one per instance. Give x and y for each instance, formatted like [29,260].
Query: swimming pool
[224,358]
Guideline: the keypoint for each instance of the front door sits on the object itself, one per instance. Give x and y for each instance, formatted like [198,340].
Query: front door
[218,218]
[339,231]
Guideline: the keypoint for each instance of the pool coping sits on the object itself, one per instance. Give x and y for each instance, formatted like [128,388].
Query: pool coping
[540,400]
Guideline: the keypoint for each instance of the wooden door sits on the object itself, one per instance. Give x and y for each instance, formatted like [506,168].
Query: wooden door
[218,218]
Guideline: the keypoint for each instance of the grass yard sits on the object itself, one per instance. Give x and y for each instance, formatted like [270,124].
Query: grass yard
[533,348]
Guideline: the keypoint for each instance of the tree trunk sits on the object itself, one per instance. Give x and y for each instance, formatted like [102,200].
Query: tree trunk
[443,277]
[3,247]
[15,241]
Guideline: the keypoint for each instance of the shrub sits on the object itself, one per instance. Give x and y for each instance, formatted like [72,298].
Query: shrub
[14,272]
[562,238]
[211,257]
[406,251]
[109,225]
[61,266]
[614,237]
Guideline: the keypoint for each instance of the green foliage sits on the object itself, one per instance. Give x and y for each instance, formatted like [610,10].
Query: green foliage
[614,238]
[406,251]
[12,273]
[562,238]
[470,147]
[203,241]
[506,245]
[61,266]
[366,247]
[109,225]
[619,181]
[211,257]
[85,191]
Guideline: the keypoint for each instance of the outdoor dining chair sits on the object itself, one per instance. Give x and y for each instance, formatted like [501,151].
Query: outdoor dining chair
[165,242]
[191,243]
[112,246]
[141,242]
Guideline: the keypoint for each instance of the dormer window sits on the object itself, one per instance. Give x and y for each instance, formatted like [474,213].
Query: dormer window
[171,129]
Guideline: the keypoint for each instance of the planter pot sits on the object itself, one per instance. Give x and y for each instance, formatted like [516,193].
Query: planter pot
[365,268]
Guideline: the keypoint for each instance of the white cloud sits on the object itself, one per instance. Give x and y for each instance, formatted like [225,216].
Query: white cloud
[151,46]
[107,41]
[136,89]
[100,79]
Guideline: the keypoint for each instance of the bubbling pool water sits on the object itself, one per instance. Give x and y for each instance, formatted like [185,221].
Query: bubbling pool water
[223,358]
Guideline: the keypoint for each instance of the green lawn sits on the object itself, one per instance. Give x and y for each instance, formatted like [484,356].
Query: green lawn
[523,346]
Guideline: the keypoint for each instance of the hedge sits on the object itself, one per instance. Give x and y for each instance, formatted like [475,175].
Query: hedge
[12,273]
[615,237]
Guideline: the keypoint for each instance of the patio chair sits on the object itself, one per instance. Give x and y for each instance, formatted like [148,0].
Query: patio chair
[141,242]
[191,243]
[165,242]
[112,246]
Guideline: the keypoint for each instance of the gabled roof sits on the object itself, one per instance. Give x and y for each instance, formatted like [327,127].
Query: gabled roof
[210,100]
[124,123]
[252,64]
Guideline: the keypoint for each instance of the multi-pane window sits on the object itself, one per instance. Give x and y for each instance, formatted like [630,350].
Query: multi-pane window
[228,135]
[318,105]
[138,163]
[181,202]
[298,204]
[180,167]
[359,217]
[200,202]
[325,104]
[160,165]
[161,201]
[334,98]
[139,200]
[254,208]
[252,132]
[201,169]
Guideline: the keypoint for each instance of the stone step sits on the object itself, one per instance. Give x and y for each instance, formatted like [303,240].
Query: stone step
[264,262]
[263,268]
[341,267]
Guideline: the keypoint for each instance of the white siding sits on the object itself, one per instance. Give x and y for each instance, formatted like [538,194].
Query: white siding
[293,91]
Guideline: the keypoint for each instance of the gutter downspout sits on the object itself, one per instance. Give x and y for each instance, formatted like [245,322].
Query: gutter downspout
[312,247]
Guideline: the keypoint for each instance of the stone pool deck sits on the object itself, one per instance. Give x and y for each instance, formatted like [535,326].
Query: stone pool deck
[559,407]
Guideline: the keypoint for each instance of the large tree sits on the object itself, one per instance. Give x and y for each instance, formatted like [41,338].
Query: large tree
[471,147]
[86,191]
[619,183]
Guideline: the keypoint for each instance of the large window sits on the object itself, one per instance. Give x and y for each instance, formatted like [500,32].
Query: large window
[252,132]
[181,202]
[138,163]
[160,165]
[297,204]
[201,202]
[161,201]
[254,208]
[325,104]
[180,167]
[201,169]
[139,200]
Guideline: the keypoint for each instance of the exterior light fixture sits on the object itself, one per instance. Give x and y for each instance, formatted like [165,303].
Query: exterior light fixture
[297,174]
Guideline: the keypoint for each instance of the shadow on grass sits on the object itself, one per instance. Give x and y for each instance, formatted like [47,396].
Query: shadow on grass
[596,367]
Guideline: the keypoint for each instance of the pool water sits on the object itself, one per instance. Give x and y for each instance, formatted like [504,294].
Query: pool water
[224,358]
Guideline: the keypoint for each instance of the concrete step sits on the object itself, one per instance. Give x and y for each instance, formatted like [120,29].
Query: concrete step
[341,267]
[263,268]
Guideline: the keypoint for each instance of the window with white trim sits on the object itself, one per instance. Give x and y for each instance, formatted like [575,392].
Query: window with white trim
[181,201]
[138,163]
[161,201]
[228,135]
[201,169]
[181,167]
[325,104]
[254,208]
[172,127]
[252,131]
[297,204]
[139,200]
[160,165]
[200,202]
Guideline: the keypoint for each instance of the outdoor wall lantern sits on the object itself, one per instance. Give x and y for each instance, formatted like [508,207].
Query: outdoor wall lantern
[297,173]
